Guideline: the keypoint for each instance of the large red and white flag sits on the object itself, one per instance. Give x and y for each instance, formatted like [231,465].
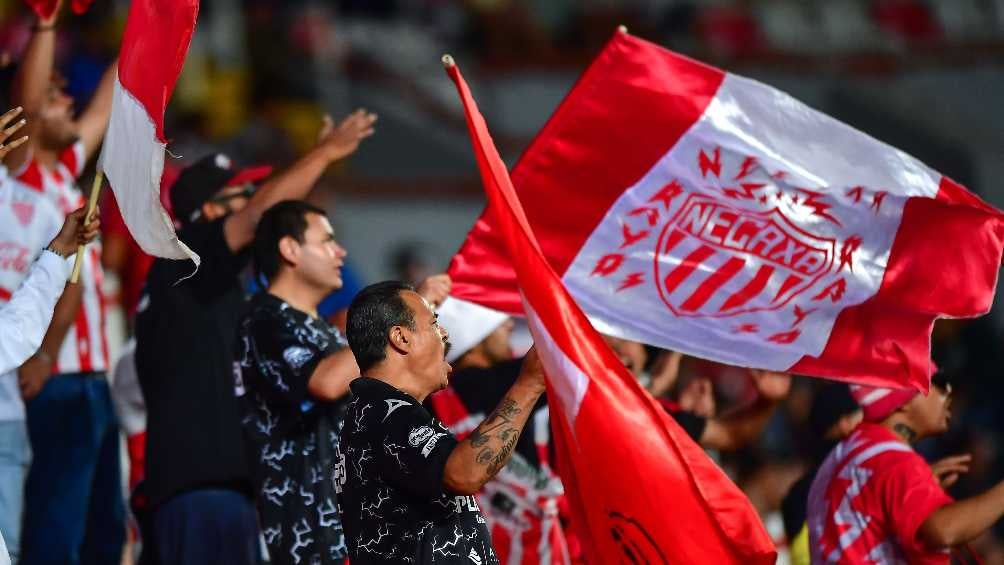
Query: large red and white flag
[628,468]
[704,212]
[156,39]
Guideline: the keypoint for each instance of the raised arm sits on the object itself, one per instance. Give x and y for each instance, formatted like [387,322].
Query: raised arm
[94,121]
[483,453]
[33,80]
[294,183]
[330,380]
[963,521]
[735,431]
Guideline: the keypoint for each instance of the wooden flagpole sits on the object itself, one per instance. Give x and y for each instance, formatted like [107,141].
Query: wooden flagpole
[92,204]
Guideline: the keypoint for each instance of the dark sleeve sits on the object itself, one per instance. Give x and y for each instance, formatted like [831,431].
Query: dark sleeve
[482,389]
[283,358]
[414,452]
[793,507]
[691,423]
[219,266]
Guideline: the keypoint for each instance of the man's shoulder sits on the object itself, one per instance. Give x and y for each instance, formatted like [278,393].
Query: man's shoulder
[376,405]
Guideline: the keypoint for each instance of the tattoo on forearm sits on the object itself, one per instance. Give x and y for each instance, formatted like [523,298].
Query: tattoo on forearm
[485,455]
[503,454]
[478,439]
[499,428]
[905,432]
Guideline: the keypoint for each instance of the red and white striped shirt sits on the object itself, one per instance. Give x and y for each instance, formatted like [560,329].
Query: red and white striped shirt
[869,499]
[85,347]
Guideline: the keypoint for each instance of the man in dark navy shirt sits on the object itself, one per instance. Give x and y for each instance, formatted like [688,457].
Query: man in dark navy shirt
[407,493]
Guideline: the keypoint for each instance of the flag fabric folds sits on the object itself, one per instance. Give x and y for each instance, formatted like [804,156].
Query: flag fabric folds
[154,45]
[643,491]
[700,211]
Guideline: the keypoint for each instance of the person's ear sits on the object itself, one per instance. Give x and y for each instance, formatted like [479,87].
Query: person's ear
[400,339]
[289,250]
[210,211]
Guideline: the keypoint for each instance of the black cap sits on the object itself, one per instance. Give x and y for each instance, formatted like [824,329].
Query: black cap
[198,183]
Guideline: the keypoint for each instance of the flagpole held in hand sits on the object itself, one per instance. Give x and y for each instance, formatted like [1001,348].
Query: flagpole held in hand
[92,203]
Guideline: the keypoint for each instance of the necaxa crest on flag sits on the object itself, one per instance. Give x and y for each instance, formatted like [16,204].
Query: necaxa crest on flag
[641,490]
[704,212]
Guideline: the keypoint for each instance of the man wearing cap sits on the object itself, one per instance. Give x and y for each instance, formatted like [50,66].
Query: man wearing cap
[197,482]
[875,500]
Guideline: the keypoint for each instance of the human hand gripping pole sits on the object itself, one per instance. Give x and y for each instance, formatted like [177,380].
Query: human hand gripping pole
[92,204]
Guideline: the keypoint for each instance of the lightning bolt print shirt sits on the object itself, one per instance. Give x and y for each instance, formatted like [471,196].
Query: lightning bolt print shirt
[394,506]
[292,437]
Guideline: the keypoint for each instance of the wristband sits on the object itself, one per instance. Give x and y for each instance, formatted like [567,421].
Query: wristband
[50,249]
[43,27]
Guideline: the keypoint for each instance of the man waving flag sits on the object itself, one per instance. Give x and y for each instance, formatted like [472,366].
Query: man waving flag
[154,46]
[700,211]
[628,468]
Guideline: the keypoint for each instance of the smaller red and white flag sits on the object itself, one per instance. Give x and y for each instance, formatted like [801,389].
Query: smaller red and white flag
[627,467]
[154,46]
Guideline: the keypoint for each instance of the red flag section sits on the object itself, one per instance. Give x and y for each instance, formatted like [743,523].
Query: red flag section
[696,210]
[645,492]
[154,46]
[46,8]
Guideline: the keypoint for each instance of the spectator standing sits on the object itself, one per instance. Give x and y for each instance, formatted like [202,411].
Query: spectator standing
[198,484]
[294,373]
[74,511]
[408,482]
[875,499]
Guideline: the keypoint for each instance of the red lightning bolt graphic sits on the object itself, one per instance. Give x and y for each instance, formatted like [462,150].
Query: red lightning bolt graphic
[632,238]
[834,292]
[745,190]
[785,337]
[855,193]
[651,214]
[608,264]
[667,193]
[819,208]
[707,164]
[746,329]
[632,279]
[746,167]
[877,200]
[779,175]
[801,315]
[847,252]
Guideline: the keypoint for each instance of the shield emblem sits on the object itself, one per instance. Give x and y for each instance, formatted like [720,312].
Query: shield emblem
[717,260]
[23,211]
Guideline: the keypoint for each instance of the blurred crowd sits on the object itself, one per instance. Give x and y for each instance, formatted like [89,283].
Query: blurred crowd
[255,87]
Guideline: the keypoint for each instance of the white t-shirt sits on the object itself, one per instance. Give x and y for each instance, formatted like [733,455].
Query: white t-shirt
[28,222]
[85,347]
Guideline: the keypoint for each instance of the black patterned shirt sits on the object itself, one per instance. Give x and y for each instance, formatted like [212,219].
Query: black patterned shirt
[292,437]
[393,502]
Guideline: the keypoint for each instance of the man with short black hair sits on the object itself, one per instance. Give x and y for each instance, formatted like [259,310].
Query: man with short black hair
[197,478]
[294,370]
[407,492]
